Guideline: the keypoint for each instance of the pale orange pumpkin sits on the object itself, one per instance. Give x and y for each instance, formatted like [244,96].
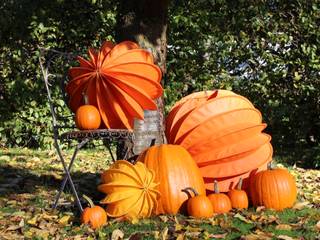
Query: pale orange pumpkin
[238,197]
[175,170]
[131,190]
[220,201]
[273,188]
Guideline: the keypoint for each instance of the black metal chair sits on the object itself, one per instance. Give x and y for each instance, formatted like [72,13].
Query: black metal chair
[64,132]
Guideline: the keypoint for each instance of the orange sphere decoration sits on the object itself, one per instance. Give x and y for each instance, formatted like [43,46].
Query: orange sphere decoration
[273,188]
[87,117]
[220,201]
[238,197]
[199,206]
[95,216]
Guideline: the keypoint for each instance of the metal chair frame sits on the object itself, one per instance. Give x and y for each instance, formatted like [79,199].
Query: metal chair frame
[60,134]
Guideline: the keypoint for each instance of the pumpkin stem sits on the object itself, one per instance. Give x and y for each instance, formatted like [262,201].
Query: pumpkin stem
[270,166]
[192,190]
[153,142]
[216,187]
[88,200]
[240,184]
[85,98]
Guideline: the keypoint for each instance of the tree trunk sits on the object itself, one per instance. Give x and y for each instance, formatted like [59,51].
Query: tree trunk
[145,22]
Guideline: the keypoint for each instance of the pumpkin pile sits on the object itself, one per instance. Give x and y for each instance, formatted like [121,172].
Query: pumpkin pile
[215,143]
[223,133]
[119,80]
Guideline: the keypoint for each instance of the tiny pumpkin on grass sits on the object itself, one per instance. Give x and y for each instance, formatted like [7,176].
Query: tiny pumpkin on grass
[198,206]
[238,197]
[87,116]
[220,201]
[95,216]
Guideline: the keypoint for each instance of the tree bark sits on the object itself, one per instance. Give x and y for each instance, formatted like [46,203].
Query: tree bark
[145,22]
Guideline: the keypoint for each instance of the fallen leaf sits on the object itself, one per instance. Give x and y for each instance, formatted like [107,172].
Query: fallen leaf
[64,220]
[242,218]
[301,205]
[283,227]
[13,228]
[261,208]
[284,237]
[221,236]
[164,218]
[33,221]
[164,233]
[117,234]
[318,225]
[181,236]
[178,227]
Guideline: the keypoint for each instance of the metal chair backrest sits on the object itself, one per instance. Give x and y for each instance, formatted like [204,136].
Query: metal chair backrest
[54,77]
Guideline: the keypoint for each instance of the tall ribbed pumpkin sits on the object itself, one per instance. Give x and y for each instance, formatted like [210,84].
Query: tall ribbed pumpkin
[175,170]
[273,188]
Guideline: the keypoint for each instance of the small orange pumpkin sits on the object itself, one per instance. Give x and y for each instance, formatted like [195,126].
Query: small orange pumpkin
[95,216]
[238,197]
[220,201]
[273,188]
[198,206]
[87,116]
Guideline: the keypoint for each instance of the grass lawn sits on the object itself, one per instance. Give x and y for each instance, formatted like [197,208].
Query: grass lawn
[29,181]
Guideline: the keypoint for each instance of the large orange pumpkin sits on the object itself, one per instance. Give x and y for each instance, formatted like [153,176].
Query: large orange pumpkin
[175,170]
[120,80]
[223,133]
[273,188]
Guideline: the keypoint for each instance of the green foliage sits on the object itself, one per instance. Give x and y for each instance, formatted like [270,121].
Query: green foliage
[265,50]
[67,26]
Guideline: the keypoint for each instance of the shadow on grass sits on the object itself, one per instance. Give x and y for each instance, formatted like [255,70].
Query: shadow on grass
[18,181]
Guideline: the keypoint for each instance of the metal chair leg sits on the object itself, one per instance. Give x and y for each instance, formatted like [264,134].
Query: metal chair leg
[75,194]
[78,147]
[109,149]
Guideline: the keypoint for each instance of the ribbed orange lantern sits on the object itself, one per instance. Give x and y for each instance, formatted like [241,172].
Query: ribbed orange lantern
[223,133]
[120,80]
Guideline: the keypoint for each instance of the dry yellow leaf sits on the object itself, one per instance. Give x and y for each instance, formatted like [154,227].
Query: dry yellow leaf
[318,225]
[283,227]
[64,220]
[164,218]
[181,236]
[33,221]
[285,237]
[117,234]
[178,227]
[242,218]
[301,205]
[164,234]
